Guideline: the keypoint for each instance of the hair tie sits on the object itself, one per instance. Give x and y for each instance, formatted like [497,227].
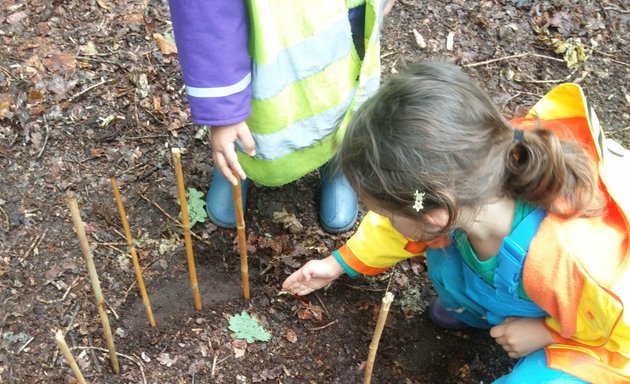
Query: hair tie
[518,135]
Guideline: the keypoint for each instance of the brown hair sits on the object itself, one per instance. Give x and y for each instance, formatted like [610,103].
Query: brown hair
[432,129]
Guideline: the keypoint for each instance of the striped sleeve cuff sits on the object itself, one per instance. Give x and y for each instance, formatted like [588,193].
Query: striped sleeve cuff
[349,271]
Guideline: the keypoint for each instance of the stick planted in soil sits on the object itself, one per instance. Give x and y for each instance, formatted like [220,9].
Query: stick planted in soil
[378,330]
[61,342]
[132,251]
[192,273]
[96,285]
[242,240]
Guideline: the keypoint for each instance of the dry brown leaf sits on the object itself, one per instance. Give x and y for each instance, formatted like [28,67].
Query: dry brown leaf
[239,346]
[291,336]
[166,46]
[5,104]
[133,19]
[288,220]
[103,4]
[17,16]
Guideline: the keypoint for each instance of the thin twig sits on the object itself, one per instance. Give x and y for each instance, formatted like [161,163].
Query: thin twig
[41,151]
[613,131]
[477,64]
[6,220]
[617,9]
[64,295]
[25,344]
[323,326]
[156,205]
[35,244]
[88,89]
[611,58]
[132,359]
[365,289]
[323,306]
[214,363]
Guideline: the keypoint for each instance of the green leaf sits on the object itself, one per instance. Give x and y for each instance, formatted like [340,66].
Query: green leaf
[196,207]
[246,327]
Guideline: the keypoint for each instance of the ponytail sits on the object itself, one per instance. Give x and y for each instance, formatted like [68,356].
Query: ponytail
[556,175]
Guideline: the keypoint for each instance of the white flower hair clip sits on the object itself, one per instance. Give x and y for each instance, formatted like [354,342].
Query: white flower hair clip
[418,204]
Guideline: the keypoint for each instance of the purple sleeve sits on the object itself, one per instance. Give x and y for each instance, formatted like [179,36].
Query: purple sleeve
[211,39]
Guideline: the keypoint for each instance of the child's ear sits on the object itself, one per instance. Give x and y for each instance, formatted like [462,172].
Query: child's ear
[437,217]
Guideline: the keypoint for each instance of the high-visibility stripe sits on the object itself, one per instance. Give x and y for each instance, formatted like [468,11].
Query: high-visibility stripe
[302,60]
[307,79]
[306,98]
[301,134]
[220,91]
[276,25]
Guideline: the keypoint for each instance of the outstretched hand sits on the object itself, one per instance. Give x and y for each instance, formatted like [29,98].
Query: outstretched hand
[520,336]
[312,276]
[224,153]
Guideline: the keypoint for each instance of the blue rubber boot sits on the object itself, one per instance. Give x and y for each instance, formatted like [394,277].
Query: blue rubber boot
[441,317]
[338,207]
[219,200]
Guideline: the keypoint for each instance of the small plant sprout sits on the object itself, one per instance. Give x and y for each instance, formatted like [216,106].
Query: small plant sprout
[196,207]
[242,240]
[61,342]
[376,337]
[246,327]
[192,273]
[96,285]
[132,251]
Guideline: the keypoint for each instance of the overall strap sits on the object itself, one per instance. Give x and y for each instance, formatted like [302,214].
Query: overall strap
[507,275]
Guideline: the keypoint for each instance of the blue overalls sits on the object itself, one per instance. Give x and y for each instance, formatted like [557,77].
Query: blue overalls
[470,299]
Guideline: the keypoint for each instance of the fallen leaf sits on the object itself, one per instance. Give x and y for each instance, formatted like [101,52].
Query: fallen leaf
[88,49]
[239,347]
[165,359]
[246,327]
[103,4]
[450,40]
[288,220]
[419,39]
[166,46]
[5,103]
[291,336]
[17,16]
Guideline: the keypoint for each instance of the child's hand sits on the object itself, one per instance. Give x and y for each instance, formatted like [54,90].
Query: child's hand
[223,151]
[312,276]
[520,336]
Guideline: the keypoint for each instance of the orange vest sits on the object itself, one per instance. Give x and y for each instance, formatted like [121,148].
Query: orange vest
[585,285]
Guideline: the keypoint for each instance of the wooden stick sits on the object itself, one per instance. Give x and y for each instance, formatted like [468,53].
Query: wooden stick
[242,241]
[96,285]
[132,251]
[179,174]
[61,342]
[380,323]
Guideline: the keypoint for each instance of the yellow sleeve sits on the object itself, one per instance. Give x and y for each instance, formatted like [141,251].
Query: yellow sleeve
[375,247]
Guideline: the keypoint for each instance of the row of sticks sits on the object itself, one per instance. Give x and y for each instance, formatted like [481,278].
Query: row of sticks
[240,225]
[96,286]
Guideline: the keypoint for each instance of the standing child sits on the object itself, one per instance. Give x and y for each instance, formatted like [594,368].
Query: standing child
[524,223]
[277,81]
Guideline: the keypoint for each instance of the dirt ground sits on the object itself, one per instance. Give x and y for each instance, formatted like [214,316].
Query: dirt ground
[92,88]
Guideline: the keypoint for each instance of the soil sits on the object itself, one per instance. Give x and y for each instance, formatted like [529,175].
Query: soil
[92,88]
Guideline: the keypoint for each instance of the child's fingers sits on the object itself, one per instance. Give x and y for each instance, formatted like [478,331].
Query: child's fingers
[497,331]
[246,139]
[221,163]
